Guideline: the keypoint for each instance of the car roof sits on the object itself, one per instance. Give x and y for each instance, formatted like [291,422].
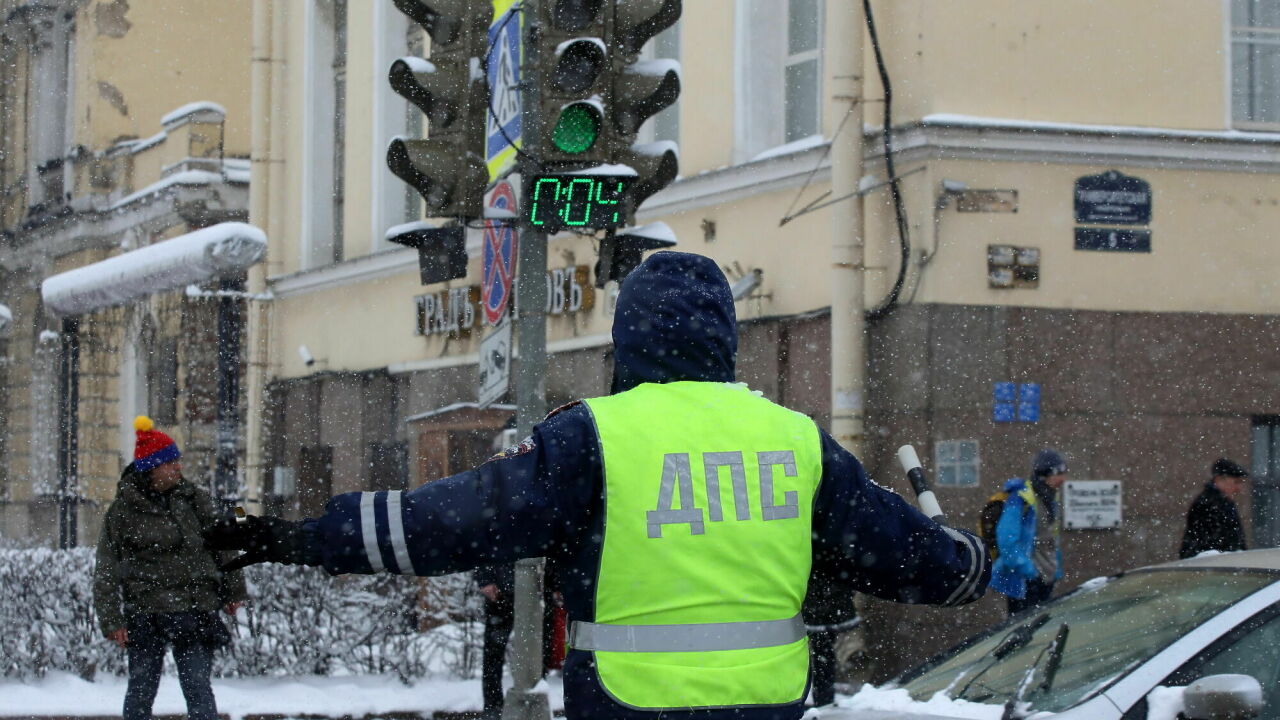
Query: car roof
[1268,559]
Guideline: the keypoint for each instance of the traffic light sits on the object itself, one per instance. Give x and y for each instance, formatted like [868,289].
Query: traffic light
[621,253]
[442,251]
[641,89]
[575,66]
[595,95]
[447,168]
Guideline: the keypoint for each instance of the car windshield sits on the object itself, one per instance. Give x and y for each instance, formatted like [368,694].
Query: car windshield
[1114,626]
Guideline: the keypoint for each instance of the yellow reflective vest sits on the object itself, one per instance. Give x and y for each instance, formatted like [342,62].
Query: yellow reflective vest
[707,547]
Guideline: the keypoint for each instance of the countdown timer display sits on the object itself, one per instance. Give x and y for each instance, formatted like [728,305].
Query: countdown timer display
[596,202]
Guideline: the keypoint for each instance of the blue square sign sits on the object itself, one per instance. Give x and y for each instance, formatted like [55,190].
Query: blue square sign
[1029,392]
[1028,412]
[1004,392]
[1015,402]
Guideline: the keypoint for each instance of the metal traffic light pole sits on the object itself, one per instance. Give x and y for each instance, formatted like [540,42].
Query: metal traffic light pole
[531,397]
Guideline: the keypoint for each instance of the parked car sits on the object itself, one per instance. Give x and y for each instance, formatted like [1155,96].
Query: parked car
[1100,651]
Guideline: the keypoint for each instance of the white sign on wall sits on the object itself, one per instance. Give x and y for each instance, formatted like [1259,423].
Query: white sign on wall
[495,363]
[1091,504]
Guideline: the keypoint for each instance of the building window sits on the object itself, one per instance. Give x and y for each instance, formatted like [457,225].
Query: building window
[339,122]
[1264,471]
[777,75]
[957,463]
[1255,63]
[314,479]
[802,79]
[388,466]
[324,124]
[162,382]
[666,124]
[50,85]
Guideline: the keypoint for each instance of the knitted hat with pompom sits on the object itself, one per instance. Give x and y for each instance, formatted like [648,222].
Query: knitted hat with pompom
[154,448]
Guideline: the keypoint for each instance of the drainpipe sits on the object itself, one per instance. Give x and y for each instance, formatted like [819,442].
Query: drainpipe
[264,80]
[848,301]
[226,482]
[68,433]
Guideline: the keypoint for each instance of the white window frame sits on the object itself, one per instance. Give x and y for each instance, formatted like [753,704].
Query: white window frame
[760,59]
[790,60]
[318,171]
[948,464]
[390,118]
[50,106]
[1245,35]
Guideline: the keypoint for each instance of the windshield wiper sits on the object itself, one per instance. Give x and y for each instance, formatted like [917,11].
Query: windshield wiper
[1014,641]
[1055,650]
[1055,658]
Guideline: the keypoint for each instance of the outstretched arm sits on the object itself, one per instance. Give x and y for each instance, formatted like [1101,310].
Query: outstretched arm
[873,539]
[515,505]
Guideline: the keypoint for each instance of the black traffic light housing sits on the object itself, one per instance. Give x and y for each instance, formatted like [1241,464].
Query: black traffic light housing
[447,168]
[622,252]
[639,90]
[442,251]
[575,65]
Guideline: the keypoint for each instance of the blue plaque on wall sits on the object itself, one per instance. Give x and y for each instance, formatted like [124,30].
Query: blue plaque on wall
[1113,198]
[1113,239]
[1028,412]
[1004,392]
[1015,402]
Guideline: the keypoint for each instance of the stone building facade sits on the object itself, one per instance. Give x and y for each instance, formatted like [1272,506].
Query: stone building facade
[123,127]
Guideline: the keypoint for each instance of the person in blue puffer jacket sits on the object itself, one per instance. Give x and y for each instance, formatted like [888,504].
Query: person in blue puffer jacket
[1028,535]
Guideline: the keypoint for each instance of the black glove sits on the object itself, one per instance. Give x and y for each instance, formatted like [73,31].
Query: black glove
[264,539]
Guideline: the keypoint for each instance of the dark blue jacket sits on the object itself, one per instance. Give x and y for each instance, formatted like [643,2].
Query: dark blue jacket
[674,321]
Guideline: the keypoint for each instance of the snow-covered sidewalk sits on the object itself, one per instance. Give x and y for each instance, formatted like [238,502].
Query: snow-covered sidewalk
[63,694]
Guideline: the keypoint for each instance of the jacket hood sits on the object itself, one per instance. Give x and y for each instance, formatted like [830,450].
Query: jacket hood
[674,321]
[1014,485]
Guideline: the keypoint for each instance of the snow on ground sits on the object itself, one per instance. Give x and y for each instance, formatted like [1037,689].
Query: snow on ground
[898,701]
[65,694]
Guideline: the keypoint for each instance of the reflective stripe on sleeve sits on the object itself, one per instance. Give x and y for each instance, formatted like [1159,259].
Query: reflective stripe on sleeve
[395,529]
[968,588]
[704,637]
[369,532]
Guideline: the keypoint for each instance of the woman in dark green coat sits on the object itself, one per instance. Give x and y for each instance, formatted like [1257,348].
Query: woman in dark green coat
[155,584]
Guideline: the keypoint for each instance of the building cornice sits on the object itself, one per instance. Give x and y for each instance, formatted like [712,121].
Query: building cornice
[962,137]
[364,268]
[947,137]
[173,204]
[738,182]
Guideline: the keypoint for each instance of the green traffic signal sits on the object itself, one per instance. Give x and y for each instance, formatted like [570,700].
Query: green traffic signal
[577,128]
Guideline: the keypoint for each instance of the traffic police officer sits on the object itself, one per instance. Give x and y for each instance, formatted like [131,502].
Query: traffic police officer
[685,512]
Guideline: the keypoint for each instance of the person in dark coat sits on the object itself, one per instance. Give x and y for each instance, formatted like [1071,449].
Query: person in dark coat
[1213,521]
[155,585]
[675,335]
[498,585]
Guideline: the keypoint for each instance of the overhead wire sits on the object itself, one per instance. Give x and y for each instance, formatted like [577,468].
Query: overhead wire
[899,207]
[895,190]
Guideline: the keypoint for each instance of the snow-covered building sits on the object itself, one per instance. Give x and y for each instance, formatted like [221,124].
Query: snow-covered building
[124,133]
[1089,202]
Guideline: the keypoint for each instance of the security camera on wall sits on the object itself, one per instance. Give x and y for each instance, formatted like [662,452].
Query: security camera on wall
[307,358]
